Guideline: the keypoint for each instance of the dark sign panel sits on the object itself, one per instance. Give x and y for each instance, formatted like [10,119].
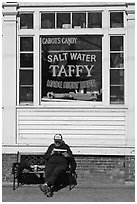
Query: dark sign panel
[72,67]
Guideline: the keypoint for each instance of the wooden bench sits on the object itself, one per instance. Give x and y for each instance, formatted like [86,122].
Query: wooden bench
[33,164]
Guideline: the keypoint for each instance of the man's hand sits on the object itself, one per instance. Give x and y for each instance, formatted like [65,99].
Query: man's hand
[65,154]
[52,152]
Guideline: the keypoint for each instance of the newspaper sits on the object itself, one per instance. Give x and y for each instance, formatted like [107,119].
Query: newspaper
[60,150]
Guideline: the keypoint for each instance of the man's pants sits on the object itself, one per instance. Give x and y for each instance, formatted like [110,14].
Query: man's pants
[52,171]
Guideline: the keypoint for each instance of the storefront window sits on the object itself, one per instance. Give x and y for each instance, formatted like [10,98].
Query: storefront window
[47,20]
[26,70]
[116,20]
[63,20]
[94,20]
[72,67]
[71,63]
[79,20]
[26,21]
[116,69]
[67,20]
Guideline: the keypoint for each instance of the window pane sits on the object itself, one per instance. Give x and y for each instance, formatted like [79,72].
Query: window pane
[26,21]
[117,94]
[26,77]
[79,19]
[26,60]
[26,44]
[26,94]
[47,20]
[116,20]
[117,60]
[116,43]
[117,77]
[94,20]
[72,67]
[63,20]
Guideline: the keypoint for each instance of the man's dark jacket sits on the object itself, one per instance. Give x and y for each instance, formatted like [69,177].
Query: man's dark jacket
[58,158]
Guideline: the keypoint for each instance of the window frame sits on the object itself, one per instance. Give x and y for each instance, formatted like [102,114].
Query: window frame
[36,32]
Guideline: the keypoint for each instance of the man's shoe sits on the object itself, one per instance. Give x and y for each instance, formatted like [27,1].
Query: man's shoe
[45,189]
[42,188]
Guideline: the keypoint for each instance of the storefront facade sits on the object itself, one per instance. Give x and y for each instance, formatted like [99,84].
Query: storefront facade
[69,69]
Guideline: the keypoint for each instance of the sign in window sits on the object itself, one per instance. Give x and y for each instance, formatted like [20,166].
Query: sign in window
[71,67]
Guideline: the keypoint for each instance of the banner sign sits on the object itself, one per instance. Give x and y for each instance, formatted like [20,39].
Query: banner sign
[71,67]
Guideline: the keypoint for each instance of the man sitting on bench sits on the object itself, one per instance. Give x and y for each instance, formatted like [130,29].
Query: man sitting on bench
[58,157]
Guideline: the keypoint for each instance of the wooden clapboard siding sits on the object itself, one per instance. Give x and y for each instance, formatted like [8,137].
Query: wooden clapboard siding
[78,126]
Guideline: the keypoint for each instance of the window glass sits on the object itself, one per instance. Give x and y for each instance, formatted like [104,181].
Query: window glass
[116,20]
[116,52]
[26,21]
[79,20]
[26,60]
[94,20]
[116,60]
[117,94]
[116,43]
[26,94]
[117,77]
[26,77]
[63,20]
[26,44]
[72,67]
[47,20]
[26,86]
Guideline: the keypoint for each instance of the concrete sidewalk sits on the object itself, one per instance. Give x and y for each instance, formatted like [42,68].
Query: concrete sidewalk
[93,193]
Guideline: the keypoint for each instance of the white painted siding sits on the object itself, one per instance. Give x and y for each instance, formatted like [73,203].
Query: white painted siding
[79,126]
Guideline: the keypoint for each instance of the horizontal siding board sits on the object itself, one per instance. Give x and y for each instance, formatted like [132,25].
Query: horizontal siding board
[71,131]
[71,109]
[72,122]
[78,126]
[88,143]
[69,127]
[71,118]
[76,136]
[72,113]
